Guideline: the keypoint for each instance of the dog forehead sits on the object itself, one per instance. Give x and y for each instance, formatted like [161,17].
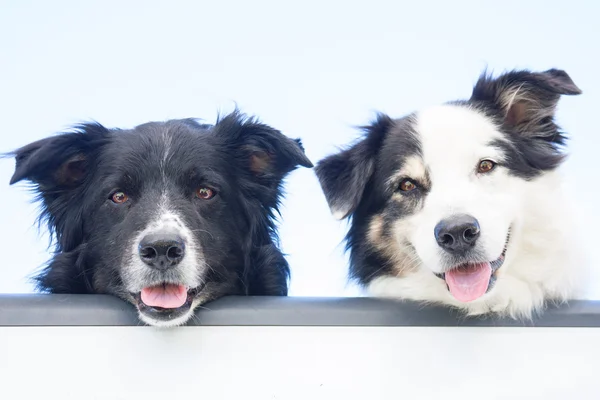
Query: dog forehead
[402,148]
[159,150]
[455,135]
[166,135]
[154,141]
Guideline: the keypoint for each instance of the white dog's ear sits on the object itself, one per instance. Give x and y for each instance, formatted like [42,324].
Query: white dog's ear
[345,175]
[525,99]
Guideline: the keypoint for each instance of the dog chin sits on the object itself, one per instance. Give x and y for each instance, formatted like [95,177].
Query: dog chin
[166,323]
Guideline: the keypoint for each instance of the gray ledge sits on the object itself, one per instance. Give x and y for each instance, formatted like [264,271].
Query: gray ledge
[103,310]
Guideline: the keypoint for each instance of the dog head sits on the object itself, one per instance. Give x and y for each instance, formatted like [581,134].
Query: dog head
[167,215]
[439,189]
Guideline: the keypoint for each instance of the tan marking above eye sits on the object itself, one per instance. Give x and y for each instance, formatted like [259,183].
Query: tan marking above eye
[205,193]
[485,166]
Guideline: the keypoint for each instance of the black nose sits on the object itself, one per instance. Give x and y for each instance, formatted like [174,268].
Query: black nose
[457,234]
[162,251]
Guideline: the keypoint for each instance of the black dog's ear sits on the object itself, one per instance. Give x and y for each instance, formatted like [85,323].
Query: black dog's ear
[60,161]
[344,176]
[264,151]
[526,100]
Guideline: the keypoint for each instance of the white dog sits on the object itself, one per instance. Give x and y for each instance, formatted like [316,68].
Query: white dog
[462,204]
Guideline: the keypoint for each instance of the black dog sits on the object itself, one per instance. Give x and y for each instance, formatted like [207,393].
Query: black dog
[168,215]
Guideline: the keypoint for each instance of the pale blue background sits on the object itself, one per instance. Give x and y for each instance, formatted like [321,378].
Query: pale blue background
[313,69]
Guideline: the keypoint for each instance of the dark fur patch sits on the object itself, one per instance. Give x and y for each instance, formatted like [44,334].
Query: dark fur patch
[345,176]
[523,104]
[356,181]
[75,173]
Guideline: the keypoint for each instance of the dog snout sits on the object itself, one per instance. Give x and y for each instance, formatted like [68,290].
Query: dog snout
[162,250]
[458,233]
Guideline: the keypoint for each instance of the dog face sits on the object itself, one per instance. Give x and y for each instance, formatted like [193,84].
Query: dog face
[167,215]
[440,190]
[449,205]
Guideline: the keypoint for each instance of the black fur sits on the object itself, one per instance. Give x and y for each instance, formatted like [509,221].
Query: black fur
[534,142]
[344,176]
[354,180]
[245,161]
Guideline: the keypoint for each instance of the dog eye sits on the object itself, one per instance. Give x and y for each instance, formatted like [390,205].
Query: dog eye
[485,166]
[119,198]
[407,185]
[205,193]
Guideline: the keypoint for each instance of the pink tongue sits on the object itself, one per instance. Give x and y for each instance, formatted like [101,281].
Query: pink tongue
[469,282]
[164,296]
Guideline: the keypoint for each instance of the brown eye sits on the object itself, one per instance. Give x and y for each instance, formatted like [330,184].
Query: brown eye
[119,197]
[485,166]
[205,193]
[407,185]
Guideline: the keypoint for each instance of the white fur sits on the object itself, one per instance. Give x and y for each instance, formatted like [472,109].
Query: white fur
[542,259]
[189,272]
[339,215]
[170,323]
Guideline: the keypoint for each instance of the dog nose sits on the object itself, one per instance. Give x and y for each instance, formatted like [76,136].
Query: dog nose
[162,251]
[457,233]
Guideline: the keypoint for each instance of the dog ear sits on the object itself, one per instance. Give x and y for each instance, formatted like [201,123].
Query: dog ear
[526,100]
[58,162]
[262,150]
[344,176]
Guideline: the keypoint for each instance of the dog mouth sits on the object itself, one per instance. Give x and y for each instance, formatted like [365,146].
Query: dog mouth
[469,281]
[165,301]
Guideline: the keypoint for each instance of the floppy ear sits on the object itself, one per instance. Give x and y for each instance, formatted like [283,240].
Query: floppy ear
[526,100]
[59,162]
[344,176]
[263,151]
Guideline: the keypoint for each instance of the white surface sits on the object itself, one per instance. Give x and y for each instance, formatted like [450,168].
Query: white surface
[299,363]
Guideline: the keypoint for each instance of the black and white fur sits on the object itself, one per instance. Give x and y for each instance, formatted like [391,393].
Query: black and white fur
[523,216]
[230,241]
